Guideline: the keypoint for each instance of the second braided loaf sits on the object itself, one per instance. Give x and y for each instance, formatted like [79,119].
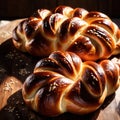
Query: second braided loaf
[63,83]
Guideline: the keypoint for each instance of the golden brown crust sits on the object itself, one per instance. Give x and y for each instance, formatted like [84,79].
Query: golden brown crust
[64,28]
[63,83]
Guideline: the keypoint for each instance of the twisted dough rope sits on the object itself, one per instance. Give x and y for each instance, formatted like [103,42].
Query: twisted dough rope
[63,83]
[91,35]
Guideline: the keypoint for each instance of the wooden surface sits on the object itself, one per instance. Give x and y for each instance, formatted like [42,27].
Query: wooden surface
[15,67]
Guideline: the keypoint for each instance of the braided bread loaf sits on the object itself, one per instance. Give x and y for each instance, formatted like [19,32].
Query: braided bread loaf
[63,83]
[91,35]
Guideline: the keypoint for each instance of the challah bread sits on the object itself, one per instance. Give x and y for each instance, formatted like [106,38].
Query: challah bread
[63,83]
[91,35]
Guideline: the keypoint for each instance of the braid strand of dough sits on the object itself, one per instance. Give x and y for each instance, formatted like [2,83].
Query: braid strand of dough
[63,83]
[91,35]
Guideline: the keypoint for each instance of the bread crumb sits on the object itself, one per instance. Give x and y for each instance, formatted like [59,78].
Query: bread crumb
[10,55]
[23,72]
[2,70]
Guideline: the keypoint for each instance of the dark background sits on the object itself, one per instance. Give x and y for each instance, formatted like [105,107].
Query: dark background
[14,9]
